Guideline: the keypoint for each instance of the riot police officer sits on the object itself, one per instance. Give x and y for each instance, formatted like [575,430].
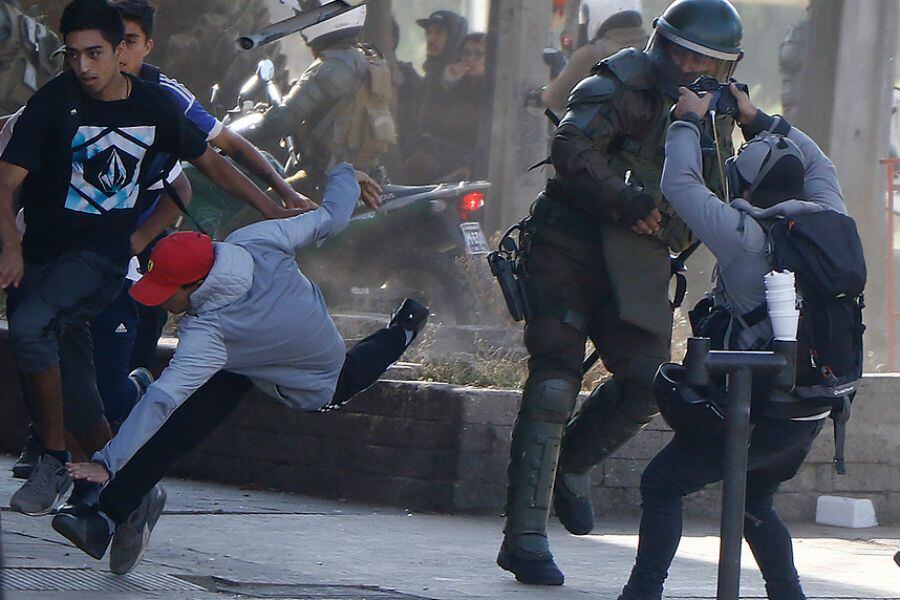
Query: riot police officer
[609,26]
[340,108]
[596,263]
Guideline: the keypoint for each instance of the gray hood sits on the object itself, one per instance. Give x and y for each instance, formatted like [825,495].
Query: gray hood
[228,281]
[782,209]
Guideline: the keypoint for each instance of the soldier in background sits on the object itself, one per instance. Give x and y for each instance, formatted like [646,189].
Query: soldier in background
[610,26]
[340,108]
[27,56]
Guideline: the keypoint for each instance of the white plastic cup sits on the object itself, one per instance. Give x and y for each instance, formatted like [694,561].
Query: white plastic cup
[779,280]
[784,324]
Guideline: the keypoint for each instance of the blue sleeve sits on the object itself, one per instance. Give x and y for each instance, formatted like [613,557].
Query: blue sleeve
[291,234]
[191,108]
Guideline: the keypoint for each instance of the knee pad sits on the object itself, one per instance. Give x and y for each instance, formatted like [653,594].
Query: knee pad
[550,400]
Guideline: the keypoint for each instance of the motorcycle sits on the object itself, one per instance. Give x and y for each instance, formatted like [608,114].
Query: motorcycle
[414,245]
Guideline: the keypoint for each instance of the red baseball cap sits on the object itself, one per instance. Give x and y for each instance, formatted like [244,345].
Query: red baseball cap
[177,260]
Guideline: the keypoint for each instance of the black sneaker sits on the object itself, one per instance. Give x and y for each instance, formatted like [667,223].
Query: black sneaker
[411,316]
[897,558]
[29,456]
[142,378]
[542,571]
[89,531]
[85,496]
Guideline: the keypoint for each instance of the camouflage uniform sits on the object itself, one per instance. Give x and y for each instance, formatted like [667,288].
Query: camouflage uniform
[25,56]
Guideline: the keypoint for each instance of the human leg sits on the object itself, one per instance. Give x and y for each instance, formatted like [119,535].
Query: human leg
[614,412]
[372,356]
[679,469]
[559,288]
[765,532]
[133,500]
[114,332]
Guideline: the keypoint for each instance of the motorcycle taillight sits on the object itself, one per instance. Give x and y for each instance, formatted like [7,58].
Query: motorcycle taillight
[470,203]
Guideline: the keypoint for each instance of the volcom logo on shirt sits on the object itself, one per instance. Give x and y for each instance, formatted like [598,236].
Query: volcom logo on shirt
[106,167]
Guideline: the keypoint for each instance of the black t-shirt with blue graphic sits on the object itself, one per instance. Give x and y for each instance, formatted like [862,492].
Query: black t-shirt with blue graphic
[85,192]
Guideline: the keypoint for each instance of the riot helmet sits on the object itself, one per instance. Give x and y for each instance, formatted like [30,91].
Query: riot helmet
[767,170]
[344,24]
[694,412]
[696,37]
[599,16]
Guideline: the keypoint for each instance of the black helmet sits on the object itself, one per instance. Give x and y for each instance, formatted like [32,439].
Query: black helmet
[704,33]
[689,411]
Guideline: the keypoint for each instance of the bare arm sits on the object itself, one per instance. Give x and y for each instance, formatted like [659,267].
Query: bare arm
[12,267]
[248,156]
[164,214]
[229,179]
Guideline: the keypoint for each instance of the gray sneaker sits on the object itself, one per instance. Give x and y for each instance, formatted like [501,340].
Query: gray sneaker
[44,490]
[132,537]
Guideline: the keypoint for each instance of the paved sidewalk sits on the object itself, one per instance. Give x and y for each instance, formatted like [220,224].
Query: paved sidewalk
[217,542]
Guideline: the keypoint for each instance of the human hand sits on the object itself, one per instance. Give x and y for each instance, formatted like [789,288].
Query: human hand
[88,471]
[295,200]
[369,190]
[689,102]
[12,267]
[279,212]
[640,214]
[746,109]
[453,73]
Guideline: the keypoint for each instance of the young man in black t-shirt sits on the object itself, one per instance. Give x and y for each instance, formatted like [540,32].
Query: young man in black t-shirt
[82,152]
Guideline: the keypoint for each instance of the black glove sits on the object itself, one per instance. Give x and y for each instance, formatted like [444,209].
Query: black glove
[635,207]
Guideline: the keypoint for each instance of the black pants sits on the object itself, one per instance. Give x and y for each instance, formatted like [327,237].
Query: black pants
[777,449]
[206,408]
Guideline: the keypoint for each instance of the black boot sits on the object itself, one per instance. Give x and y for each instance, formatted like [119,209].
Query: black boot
[32,451]
[572,502]
[89,531]
[536,437]
[598,429]
[533,571]
[85,496]
[411,316]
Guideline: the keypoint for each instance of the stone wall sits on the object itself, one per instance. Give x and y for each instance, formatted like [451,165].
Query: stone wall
[437,447]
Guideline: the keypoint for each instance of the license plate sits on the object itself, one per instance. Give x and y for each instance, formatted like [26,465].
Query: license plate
[476,243]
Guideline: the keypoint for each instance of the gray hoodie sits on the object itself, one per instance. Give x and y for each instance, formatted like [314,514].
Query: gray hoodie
[256,315]
[731,231]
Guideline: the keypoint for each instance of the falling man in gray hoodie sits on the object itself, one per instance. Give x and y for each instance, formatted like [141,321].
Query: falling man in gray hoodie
[251,319]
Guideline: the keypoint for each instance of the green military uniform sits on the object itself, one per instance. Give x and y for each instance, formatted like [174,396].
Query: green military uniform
[339,109]
[587,275]
[26,47]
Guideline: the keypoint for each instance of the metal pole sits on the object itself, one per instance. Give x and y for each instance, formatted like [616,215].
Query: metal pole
[891,309]
[734,483]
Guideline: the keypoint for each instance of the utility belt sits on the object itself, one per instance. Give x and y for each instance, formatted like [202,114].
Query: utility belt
[552,208]
[523,298]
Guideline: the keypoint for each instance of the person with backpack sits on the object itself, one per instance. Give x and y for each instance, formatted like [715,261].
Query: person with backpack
[340,108]
[779,181]
[83,152]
